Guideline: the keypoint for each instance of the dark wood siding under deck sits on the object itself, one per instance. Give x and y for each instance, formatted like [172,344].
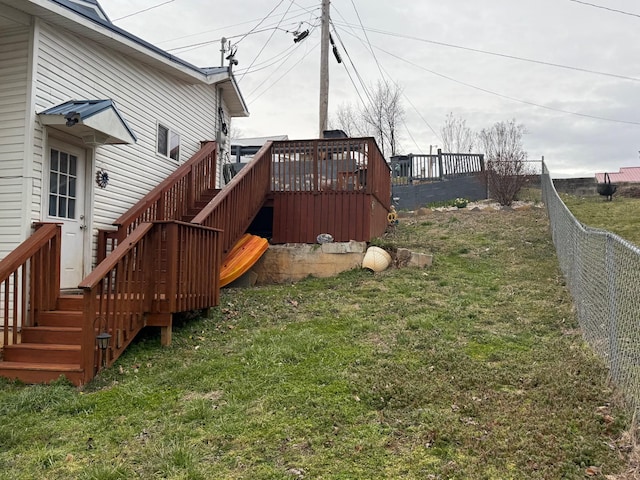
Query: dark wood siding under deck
[299,217]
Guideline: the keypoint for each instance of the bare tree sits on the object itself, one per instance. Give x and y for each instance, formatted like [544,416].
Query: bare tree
[506,168]
[456,136]
[380,119]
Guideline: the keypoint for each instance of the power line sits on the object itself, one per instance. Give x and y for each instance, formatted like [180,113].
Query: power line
[502,55]
[355,87]
[260,22]
[367,37]
[606,8]
[526,102]
[268,40]
[305,11]
[403,93]
[281,76]
[142,11]
[362,84]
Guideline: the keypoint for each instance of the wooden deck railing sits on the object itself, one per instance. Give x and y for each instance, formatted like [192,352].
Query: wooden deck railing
[174,196]
[29,280]
[408,169]
[161,267]
[233,209]
[344,164]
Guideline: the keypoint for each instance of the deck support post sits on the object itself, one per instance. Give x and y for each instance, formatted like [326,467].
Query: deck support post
[165,322]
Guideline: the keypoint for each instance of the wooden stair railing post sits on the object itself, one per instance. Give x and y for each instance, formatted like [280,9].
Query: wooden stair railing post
[172,253]
[88,346]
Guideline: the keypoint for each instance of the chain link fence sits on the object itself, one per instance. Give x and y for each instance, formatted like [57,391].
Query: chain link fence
[603,275]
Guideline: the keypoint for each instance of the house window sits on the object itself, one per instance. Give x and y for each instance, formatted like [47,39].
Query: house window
[168,143]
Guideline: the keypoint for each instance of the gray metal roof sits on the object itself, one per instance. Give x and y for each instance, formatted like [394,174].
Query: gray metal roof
[84,109]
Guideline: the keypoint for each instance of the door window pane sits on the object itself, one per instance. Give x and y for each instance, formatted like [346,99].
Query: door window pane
[63,185]
[53,206]
[54,159]
[72,187]
[63,162]
[53,182]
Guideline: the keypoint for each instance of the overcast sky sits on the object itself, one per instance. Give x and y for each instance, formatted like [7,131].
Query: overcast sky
[281,86]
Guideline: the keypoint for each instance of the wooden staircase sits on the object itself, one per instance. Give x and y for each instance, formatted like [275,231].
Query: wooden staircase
[164,258]
[50,348]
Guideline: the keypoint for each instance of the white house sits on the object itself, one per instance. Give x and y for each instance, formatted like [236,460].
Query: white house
[91,119]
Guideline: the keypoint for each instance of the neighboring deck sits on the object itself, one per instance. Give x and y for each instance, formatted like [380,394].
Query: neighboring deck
[166,253]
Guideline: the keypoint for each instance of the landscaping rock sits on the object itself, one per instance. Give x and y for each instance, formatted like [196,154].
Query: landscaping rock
[403,257]
[421,260]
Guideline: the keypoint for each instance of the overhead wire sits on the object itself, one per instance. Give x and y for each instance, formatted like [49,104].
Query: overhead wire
[362,84]
[264,45]
[141,11]
[281,76]
[261,21]
[606,8]
[228,27]
[502,55]
[383,75]
[491,92]
[373,53]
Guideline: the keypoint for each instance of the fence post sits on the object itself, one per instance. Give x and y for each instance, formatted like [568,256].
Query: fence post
[440,163]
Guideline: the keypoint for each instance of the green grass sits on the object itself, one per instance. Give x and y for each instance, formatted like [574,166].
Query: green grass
[620,216]
[472,369]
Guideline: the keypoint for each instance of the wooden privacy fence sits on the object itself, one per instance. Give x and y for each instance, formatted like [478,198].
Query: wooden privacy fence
[409,169]
[29,280]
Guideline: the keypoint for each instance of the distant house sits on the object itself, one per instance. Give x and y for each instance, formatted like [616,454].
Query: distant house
[91,119]
[625,175]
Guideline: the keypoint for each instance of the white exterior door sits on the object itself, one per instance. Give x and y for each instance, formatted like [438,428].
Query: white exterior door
[66,206]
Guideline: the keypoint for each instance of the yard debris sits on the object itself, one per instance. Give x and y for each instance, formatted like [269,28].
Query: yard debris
[593,471]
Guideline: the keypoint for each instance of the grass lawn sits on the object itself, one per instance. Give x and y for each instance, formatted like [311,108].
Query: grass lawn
[620,216]
[472,369]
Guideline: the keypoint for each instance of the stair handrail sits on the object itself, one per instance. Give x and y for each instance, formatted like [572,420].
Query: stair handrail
[160,268]
[104,300]
[30,279]
[237,204]
[172,197]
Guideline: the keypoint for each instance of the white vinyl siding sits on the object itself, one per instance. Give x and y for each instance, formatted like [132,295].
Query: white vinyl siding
[69,67]
[14,59]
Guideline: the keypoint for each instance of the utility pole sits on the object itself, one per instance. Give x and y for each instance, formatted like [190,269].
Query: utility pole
[324,68]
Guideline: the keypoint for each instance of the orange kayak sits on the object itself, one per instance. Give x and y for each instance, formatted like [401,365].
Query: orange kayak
[244,254]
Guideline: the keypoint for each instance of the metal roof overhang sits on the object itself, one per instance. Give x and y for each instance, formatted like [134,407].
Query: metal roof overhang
[97,122]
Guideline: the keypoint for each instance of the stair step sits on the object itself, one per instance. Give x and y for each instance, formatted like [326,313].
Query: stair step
[60,318]
[41,372]
[42,352]
[70,302]
[52,335]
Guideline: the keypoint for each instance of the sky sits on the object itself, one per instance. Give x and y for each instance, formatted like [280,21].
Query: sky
[568,70]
